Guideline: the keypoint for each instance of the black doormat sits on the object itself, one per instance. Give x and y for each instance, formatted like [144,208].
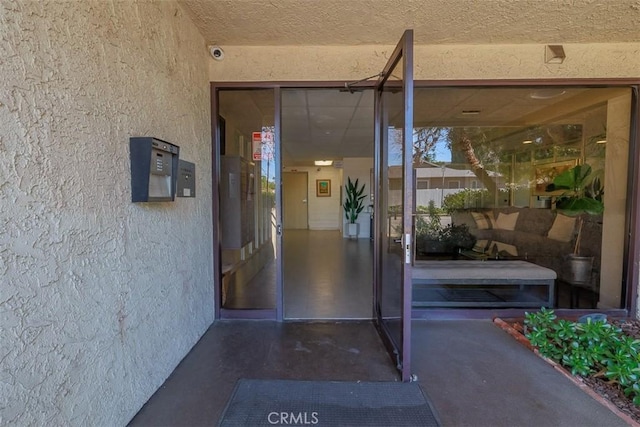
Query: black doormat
[327,403]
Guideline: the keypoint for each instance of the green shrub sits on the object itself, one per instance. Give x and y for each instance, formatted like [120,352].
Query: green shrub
[592,348]
[429,225]
[429,228]
[465,199]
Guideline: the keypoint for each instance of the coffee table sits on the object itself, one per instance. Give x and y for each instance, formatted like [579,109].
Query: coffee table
[506,281]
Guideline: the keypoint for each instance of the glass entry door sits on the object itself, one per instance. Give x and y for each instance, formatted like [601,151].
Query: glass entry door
[394,131]
[248,206]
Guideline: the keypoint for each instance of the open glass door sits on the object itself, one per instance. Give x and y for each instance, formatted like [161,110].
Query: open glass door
[394,131]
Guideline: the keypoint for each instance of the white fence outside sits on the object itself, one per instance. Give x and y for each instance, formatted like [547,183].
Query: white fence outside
[436,194]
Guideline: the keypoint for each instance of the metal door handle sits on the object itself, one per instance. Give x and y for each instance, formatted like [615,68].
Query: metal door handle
[407,248]
[279,229]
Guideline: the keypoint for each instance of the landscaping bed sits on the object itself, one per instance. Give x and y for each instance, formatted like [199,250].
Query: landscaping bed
[608,390]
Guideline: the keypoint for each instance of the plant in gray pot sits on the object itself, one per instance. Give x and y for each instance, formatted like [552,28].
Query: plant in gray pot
[353,205]
[582,195]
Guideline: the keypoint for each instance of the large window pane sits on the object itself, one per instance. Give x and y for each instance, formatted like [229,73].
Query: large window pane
[247,199]
[484,159]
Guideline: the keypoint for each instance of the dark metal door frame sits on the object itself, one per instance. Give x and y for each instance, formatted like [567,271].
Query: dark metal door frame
[400,351]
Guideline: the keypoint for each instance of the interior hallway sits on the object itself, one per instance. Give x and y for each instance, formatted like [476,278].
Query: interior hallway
[325,277]
[474,373]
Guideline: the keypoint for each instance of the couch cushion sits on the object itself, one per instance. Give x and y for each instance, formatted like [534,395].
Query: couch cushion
[507,221]
[562,228]
[533,221]
[484,220]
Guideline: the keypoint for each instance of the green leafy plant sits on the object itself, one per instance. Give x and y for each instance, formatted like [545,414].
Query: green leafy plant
[431,236]
[582,191]
[465,199]
[593,348]
[582,195]
[429,225]
[353,204]
[458,235]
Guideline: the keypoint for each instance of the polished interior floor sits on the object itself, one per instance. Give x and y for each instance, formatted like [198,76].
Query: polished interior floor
[329,277]
[257,293]
[325,276]
[474,373]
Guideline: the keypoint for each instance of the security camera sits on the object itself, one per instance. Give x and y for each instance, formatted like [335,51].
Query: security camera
[216,52]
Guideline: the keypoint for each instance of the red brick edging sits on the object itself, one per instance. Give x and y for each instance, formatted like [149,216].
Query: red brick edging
[577,381]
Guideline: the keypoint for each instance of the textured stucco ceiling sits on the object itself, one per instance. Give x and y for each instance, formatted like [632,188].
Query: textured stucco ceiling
[372,22]
[382,22]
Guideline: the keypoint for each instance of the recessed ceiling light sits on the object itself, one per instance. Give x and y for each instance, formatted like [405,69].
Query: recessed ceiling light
[601,141]
[323,162]
[527,141]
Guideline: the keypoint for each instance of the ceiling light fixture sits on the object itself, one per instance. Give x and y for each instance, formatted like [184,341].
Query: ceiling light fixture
[601,141]
[527,141]
[547,93]
[323,162]
[554,54]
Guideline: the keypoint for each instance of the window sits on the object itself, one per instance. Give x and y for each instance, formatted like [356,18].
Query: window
[502,163]
[422,184]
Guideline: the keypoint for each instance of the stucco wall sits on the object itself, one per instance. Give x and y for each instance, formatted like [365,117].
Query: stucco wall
[438,62]
[99,298]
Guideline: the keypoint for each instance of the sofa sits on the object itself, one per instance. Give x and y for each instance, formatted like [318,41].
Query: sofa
[541,236]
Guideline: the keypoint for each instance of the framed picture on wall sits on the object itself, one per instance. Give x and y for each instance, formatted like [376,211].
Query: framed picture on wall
[323,188]
[545,173]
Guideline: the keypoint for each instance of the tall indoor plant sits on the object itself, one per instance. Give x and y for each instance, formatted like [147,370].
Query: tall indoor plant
[582,195]
[353,205]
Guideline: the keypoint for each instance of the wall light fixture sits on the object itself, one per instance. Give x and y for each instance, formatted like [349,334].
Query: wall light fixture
[554,54]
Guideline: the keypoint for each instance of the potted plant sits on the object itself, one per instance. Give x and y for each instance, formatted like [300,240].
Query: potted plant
[428,229]
[458,236]
[582,195]
[353,205]
[433,237]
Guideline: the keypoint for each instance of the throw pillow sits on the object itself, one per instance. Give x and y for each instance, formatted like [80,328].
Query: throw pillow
[562,228]
[504,248]
[507,221]
[484,220]
[481,246]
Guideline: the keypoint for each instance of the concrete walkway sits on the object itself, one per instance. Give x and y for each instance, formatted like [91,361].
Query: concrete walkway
[474,373]
[478,375]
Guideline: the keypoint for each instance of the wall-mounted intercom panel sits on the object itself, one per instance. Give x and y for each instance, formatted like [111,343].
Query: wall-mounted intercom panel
[186,179]
[154,169]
